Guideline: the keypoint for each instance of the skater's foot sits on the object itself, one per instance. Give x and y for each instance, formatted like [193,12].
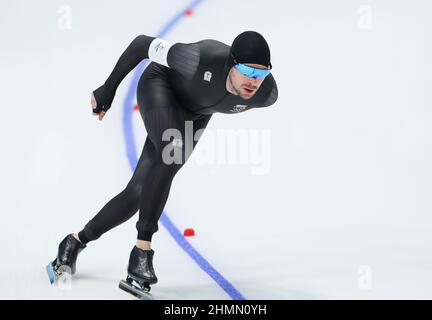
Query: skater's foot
[143,245]
[65,261]
[140,266]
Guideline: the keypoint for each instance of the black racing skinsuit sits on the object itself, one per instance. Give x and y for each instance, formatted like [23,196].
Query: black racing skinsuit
[191,88]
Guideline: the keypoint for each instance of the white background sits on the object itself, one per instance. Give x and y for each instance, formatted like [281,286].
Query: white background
[345,210]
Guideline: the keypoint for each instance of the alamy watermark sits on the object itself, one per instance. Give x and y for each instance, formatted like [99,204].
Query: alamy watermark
[251,147]
[365,17]
[64,21]
[364,281]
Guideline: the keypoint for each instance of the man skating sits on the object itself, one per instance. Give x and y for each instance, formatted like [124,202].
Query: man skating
[184,82]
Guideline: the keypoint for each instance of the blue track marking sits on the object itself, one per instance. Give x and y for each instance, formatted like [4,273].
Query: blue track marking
[133,160]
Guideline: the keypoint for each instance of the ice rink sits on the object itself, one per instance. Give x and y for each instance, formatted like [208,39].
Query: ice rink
[337,204]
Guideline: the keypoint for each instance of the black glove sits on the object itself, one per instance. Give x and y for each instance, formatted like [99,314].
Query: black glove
[104,98]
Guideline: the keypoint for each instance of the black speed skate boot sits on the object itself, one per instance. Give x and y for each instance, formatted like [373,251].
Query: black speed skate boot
[140,274]
[68,251]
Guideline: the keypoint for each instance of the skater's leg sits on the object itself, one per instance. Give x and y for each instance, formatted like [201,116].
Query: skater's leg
[126,203]
[76,236]
[123,206]
[158,180]
[143,245]
[154,195]
[160,111]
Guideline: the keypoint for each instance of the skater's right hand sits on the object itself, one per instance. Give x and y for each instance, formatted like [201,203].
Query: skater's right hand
[101,100]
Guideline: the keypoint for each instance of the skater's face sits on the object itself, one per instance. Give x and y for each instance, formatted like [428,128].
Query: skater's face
[241,85]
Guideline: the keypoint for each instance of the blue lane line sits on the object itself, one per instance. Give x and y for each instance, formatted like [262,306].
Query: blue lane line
[133,160]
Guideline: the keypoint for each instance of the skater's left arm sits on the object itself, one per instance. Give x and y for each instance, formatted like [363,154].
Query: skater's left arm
[103,96]
[181,57]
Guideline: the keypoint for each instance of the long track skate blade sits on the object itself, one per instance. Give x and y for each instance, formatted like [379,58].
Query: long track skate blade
[137,292]
[51,273]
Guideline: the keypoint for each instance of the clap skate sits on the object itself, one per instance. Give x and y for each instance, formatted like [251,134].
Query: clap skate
[140,274]
[65,262]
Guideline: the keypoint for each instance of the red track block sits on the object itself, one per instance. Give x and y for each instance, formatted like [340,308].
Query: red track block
[188,12]
[189,232]
[135,107]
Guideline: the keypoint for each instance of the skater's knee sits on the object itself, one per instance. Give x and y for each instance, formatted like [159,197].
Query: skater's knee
[133,189]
